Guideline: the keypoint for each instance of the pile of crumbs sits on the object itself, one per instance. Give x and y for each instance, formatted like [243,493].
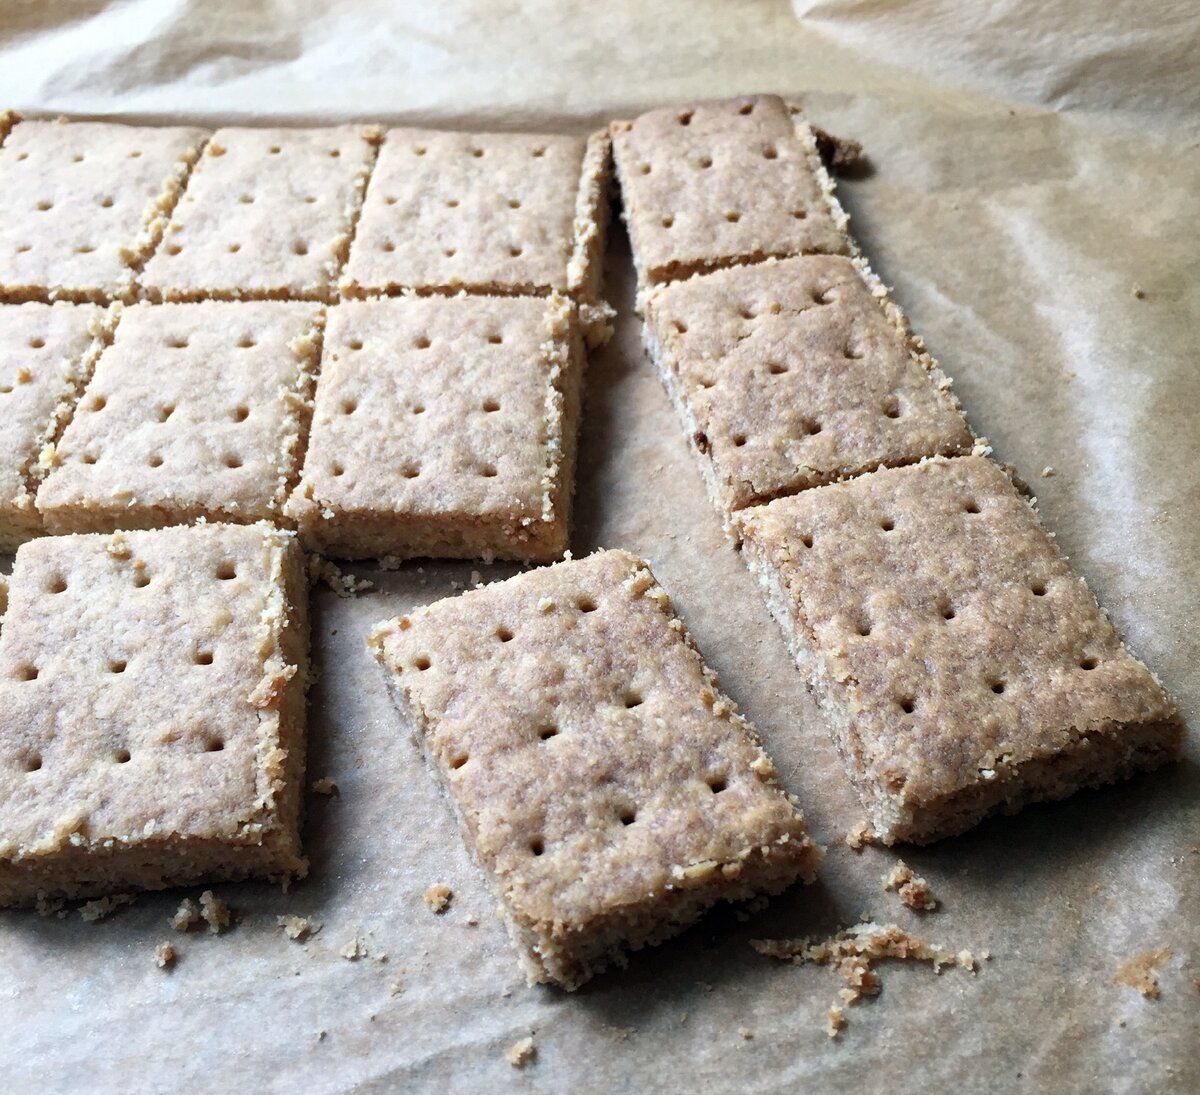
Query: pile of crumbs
[913,890]
[438,898]
[211,910]
[344,585]
[854,952]
[521,1053]
[298,928]
[105,906]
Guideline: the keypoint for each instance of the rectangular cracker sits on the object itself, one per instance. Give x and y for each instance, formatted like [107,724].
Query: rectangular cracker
[47,352]
[514,213]
[606,786]
[268,214]
[195,411]
[444,426]
[711,184]
[965,668]
[152,711]
[82,205]
[788,374]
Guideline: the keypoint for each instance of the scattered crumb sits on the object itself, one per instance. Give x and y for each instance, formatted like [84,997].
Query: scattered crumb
[521,1053]
[914,891]
[438,898]
[393,562]
[1047,471]
[746,1033]
[1139,293]
[187,916]
[325,786]
[834,1020]
[967,960]
[105,906]
[861,834]
[164,955]
[1138,972]
[472,921]
[397,985]
[217,915]
[621,1034]
[986,955]
[353,950]
[344,585]
[298,927]
[320,1036]
[48,906]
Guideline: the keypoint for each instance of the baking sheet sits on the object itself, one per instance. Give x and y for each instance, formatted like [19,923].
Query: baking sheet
[1015,235]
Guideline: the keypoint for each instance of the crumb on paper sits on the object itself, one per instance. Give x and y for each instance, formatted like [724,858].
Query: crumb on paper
[1048,471]
[187,916]
[354,950]
[913,890]
[298,928]
[105,906]
[1139,293]
[861,834]
[438,897]
[325,786]
[472,921]
[215,913]
[344,585]
[397,985]
[967,960]
[1138,972]
[521,1053]
[834,1020]
[164,955]
[746,1033]
[320,1036]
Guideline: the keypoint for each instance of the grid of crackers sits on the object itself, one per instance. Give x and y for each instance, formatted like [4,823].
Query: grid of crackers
[220,351]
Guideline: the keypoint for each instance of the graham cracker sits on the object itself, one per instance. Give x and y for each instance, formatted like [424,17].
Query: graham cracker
[47,352]
[514,213]
[607,787]
[82,205]
[444,426]
[965,668]
[788,374]
[195,411]
[152,711]
[268,214]
[710,184]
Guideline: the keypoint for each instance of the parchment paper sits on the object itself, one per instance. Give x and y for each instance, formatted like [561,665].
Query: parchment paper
[1031,167]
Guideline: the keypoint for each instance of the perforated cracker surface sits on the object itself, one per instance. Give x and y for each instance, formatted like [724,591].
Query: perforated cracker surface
[790,375]
[591,756]
[955,632]
[45,356]
[195,410]
[490,211]
[141,678]
[440,412]
[717,182]
[267,214]
[82,205]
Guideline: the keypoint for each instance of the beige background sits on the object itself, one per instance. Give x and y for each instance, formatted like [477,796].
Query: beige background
[1031,165]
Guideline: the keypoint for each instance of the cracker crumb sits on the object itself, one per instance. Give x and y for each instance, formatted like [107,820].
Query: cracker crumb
[861,834]
[187,916]
[353,951]
[1138,972]
[1139,293]
[521,1053]
[967,960]
[344,585]
[1047,471]
[438,897]
[746,1033]
[48,906]
[325,786]
[164,955]
[216,914]
[834,1020]
[105,906]
[298,927]
[913,890]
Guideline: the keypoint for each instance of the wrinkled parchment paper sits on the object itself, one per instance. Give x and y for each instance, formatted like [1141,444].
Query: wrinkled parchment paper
[1032,166]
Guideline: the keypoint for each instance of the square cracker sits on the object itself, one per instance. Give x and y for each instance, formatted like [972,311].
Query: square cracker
[788,374]
[152,711]
[444,426]
[267,214]
[607,787]
[82,205]
[516,213]
[47,352]
[963,665]
[715,183]
[196,410]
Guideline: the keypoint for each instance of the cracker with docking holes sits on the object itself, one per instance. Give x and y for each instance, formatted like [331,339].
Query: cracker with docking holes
[607,787]
[268,214]
[788,374]
[152,711]
[963,665]
[444,426]
[514,213]
[195,411]
[712,184]
[82,205]
[47,352]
